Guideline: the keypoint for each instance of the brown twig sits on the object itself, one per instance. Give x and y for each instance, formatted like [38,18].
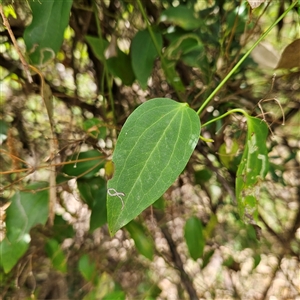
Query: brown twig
[186,281]
[12,36]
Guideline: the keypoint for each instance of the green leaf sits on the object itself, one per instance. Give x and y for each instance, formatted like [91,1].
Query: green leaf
[256,260]
[44,36]
[143,54]
[57,256]
[27,209]
[159,204]
[61,229]
[120,66]
[172,76]
[98,46]
[202,176]
[210,226]
[91,163]
[93,192]
[116,295]
[88,189]
[193,233]
[254,167]
[142,242]
[206,258]
[230,158]
[153,148]
[95,128]
[11,252]
[99,210]
[3,127]
[3,131]
[181,16]
[87,268]
[184,45]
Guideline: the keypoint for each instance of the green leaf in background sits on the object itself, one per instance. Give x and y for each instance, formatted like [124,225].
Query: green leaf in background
[183,45]
[149,290]
[193,233]
[143,54]
[3,127]
[181,16]
[98,46]
[93,193]
[254,167]
[88,189]
[172,76]
[44,36]
[188,48]
[210,226]
[202,176]
[27,209]
[57,256]
[159,204]
[91,164]
[116,295]
[120,66]
[230,157]
[256,260]
[11,252]
[87,268]
[99,210]
[152,149]
[3,131]
[95,128]
[62,229]
[143,243]
[206,258]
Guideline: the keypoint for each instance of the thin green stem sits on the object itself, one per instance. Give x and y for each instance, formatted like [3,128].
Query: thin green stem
[156,45]
[235,110]
[108,80]
[243,58]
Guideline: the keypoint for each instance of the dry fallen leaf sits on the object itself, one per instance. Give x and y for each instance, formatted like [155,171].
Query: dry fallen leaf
[290,57]
[265,55]
[255,4]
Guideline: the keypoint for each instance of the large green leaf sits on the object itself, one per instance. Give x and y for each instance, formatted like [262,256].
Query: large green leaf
[143,54]
[194,237]
[44,36]
[181,16]
[254,167]
[153,147]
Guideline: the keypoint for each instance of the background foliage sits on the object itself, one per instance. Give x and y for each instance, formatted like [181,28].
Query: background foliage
[87,66]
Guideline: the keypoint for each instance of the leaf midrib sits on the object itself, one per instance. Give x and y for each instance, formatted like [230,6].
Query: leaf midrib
[174,116]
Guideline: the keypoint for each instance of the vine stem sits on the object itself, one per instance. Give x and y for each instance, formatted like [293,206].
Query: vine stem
[243,58]
[107,77]
[226,114]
